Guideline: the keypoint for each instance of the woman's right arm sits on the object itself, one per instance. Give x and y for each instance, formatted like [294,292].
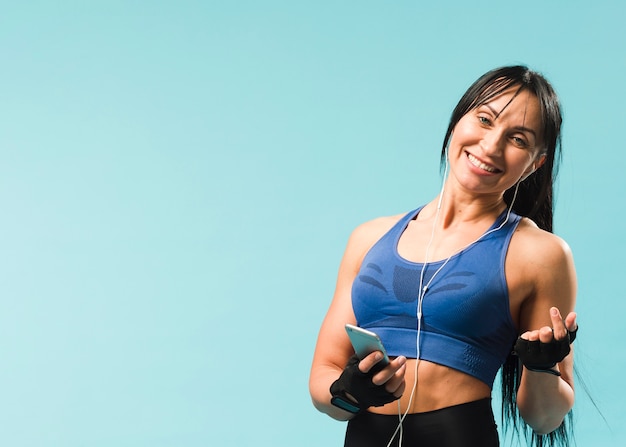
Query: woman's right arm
[333,347]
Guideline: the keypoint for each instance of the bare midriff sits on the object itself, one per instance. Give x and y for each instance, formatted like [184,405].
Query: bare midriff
[437,387]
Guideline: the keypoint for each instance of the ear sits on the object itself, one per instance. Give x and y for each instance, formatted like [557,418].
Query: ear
[541,159]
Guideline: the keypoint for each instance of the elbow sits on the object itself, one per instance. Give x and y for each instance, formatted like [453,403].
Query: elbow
[544,408]
[546,427]
[332,411]
[320,398]
[320,404]
[317,399]
[543,423]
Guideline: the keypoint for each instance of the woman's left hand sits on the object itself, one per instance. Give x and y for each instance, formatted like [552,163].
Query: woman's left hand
[559,328]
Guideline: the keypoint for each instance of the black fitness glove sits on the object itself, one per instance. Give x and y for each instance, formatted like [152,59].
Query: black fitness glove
[360,387]
[542,357]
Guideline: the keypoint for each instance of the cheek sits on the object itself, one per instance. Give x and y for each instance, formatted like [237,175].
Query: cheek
[463,135]
[525,160]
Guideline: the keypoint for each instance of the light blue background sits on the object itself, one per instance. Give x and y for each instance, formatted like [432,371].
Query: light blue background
[178,180]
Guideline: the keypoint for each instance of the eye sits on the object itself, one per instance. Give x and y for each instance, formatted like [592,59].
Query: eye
[484,120]
[519,142]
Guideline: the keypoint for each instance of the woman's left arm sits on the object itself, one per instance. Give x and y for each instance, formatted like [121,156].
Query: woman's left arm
[545,398]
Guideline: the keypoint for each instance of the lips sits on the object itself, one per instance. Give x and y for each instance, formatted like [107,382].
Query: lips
[481,165]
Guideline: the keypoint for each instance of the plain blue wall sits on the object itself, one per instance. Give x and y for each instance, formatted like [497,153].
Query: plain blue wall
[178,180]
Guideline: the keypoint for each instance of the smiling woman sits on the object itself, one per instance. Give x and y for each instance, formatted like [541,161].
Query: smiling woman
[496,145]
[454,286]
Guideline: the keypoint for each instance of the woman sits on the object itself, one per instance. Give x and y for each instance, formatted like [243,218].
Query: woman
[453,287]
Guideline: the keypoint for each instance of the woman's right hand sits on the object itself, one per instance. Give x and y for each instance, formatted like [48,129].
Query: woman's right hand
[361,385]
[391,376]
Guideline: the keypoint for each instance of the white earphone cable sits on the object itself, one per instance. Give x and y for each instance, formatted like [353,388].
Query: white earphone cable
[424,288]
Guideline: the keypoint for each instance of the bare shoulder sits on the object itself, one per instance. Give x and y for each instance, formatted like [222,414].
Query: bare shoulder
[539,247]
[361,240]
[365,235]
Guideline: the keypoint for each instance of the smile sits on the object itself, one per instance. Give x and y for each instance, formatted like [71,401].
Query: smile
[480,165]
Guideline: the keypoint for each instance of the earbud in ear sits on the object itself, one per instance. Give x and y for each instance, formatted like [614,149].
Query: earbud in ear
[529,173]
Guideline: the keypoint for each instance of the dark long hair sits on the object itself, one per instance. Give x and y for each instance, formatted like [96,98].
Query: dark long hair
[534,200]
[535,196]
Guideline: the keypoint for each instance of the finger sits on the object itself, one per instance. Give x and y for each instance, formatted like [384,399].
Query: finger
[530,335]
[400,391]
[525,335]
[383,376]
[369,361]
[560,331]
[396,384]
[546,334]
[570,321]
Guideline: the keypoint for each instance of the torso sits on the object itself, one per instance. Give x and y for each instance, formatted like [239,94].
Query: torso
[440,386]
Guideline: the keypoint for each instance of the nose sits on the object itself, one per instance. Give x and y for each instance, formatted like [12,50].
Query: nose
[491,142]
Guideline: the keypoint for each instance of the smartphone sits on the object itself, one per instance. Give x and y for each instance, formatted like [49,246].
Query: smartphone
[365,342]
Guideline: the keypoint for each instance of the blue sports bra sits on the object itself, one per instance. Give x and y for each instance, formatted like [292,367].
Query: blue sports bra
[466,324]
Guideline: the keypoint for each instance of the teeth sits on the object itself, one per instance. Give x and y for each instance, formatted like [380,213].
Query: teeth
[476,162]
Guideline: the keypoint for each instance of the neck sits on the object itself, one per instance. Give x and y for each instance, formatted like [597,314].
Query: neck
[457,205]
[456,211]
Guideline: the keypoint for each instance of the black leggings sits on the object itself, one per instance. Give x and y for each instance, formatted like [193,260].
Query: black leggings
[466,425]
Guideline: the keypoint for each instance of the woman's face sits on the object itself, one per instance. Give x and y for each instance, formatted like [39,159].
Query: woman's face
[498,143]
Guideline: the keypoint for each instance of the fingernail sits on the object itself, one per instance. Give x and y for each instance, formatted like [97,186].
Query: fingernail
[378,356]
[554,312]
